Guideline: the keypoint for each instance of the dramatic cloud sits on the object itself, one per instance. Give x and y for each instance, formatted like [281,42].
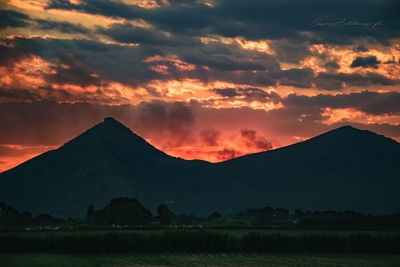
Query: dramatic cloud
[207,79]
[259,19]
[210,137]
[365,62]
[252,140]
[369,102]
[11,18]
[249,94]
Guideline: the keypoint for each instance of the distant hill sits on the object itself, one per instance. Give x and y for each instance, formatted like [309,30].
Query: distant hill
[345,168]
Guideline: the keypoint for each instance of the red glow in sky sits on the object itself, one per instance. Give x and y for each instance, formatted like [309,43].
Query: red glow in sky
[197,79]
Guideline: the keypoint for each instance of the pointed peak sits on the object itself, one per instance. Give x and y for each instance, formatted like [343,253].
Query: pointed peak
[348,132]
[110,119]
[111,122]
[114,135]
[348,127]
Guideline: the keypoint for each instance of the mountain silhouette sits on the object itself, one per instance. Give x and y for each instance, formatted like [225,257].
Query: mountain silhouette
[345,168]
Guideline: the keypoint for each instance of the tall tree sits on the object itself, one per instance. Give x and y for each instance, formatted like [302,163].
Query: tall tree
[165,215]
[123,211]
[90,214]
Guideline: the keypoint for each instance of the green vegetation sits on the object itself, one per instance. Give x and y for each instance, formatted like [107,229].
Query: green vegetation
[122,211]
[239,260]
[125,226]
[199,241]
[129,213]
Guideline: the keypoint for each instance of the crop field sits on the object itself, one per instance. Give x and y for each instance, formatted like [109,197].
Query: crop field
[43,260]
[201,241]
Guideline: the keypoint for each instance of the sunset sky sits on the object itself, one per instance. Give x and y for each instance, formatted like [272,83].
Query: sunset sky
[196,78]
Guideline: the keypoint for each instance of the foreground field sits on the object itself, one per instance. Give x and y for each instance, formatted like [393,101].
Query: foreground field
[201,241]
[43,260]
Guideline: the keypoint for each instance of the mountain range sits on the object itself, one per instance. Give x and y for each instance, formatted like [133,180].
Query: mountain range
[343,169]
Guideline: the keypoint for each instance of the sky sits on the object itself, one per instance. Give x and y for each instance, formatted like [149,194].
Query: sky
[198,79]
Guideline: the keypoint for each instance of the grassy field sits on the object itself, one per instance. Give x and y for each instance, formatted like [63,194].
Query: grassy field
[55,260]
[237,233]
[201,241]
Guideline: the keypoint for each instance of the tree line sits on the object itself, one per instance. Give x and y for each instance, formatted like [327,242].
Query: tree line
[130,212]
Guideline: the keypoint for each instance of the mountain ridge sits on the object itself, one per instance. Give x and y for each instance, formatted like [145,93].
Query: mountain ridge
[327,171]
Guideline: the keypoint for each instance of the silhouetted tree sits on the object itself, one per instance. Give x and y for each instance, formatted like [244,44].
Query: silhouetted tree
[214,216]
[46,220]
[281,214]
[266,215]
[299,214]
[90,214]
[165,215]
[184,219]
[249,214]
[10,216]
[123,211]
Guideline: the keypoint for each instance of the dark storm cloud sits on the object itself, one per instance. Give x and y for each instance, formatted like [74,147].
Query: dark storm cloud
[127,33]
[227,153]
[301,78]
[11,18]
[334,81]
[290,51]
[84,63]
[210,137]
[361,48]
[10,55]
[64,27]
[162,118]
[181,17]
[332,65]
[253,140]
[17,93]
[365,62]
[112,62]
[127,64]
[369,102]
[227,92]
[70,70]
[248,94]
[332,22]
[221,56]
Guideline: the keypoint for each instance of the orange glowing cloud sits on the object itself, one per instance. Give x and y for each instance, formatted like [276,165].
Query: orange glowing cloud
[215,146]
[148,4]
[38,10]
[345,55]
[171,59]
[259,46]
[27,73]
[354,115]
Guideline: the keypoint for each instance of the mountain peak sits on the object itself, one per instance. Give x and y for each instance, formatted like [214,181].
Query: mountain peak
[110,119]
[348,127]
[348,138]
[352,132]
[111,134]
[112,122]
[346,130]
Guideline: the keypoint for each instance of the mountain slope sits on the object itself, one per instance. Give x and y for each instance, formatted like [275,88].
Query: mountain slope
[345,168]
[342,169]
[106,161]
